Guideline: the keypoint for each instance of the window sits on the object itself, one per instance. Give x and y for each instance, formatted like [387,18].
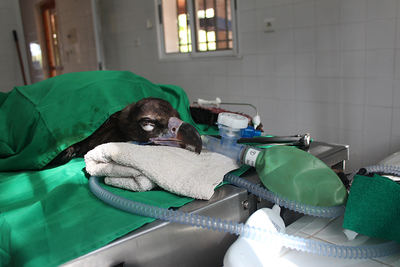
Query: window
[212,33]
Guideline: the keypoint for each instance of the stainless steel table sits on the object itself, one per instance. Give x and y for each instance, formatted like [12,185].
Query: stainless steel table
[168,244]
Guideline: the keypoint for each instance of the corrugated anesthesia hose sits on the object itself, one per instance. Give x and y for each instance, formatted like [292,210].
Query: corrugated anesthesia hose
[378,169]
[386,169]
[301,244]
[325,212]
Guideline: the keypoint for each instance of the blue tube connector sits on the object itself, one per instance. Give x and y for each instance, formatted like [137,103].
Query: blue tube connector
[249,132]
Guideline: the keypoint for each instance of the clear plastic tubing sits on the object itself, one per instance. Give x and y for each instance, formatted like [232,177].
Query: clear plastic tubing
[318,211]
[237,151]
[225,146]
[293,242]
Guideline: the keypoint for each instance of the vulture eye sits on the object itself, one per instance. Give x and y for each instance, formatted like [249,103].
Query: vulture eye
[147,126]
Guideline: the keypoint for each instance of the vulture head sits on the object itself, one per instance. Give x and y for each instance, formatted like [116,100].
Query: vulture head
[150,120]
[154,120]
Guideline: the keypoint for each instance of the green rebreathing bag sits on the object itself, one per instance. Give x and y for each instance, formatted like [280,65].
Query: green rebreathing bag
[299,176]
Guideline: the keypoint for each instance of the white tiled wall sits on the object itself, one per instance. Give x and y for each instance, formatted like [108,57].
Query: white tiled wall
[331,68]
[75,18]
[10,74]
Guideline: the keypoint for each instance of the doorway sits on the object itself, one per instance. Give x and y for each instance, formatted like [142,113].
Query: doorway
[49,22]
[59,37]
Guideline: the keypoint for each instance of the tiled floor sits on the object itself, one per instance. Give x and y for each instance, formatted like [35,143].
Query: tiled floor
[329,231]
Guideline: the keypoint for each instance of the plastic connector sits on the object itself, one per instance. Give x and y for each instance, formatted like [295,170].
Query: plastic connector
[249,132]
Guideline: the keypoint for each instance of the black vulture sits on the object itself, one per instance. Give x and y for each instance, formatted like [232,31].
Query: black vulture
[150,120]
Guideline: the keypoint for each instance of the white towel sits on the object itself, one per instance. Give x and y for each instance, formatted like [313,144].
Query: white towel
[140,168]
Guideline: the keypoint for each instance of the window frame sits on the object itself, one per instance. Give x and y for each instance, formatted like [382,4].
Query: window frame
[234,52]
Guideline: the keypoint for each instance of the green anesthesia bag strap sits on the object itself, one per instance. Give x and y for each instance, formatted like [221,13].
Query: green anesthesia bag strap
[297,175]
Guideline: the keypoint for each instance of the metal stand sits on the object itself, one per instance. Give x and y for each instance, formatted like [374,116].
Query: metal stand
[167,244]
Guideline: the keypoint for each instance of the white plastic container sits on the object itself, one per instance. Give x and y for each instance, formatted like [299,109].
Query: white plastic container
[230,124]
[248,252]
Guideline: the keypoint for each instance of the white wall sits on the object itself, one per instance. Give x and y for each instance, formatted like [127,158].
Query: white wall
[75,23]
[10,74]
[75,35]
[331,68]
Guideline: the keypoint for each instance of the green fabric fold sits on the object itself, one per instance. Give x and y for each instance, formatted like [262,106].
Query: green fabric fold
[5,242]
[373,207]
[38,121]
[49,216]
[54,217]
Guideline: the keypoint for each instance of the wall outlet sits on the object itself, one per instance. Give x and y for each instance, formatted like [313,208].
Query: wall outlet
[269,25]
[149,24]
[137,42]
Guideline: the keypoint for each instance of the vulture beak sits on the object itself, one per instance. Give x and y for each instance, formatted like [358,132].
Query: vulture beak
[180,134]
